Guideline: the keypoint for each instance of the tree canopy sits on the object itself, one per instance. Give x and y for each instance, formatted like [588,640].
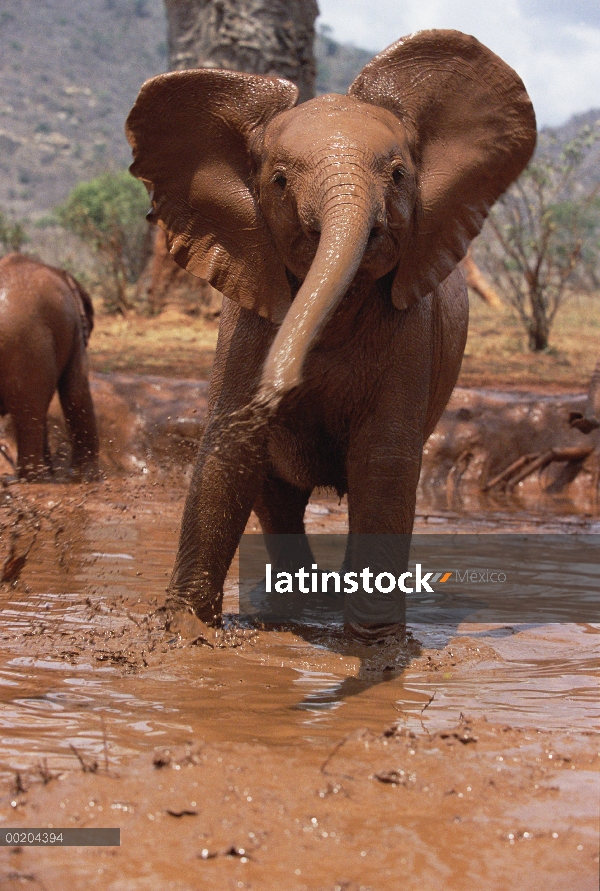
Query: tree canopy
[542,238]
[108,212]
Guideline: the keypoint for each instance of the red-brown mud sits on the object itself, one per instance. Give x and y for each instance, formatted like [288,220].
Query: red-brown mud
[274,759]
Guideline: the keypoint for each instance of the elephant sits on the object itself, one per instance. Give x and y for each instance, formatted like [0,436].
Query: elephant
[46,318]
[334,228]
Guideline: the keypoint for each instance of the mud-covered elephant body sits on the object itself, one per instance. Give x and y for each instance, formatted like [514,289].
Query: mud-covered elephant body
[46,318]
[335,229]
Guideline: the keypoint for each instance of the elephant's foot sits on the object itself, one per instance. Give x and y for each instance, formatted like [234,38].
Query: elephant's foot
[39,474]
[376,634]
[207,608]
[189,628]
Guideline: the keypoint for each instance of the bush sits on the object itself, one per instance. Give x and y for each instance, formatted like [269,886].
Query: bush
[12,234]
[108,213]
[542,237]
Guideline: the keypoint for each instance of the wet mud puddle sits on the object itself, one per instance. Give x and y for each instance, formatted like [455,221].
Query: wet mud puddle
[88,673]
[276,758]
[286,758]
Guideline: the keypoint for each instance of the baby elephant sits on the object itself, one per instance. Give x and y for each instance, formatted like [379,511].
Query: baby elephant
[334,229]
[46,319]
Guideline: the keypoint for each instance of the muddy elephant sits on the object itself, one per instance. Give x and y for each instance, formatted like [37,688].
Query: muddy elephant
[334,228]
[46,318]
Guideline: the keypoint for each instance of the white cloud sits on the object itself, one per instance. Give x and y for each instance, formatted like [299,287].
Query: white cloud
[555,50]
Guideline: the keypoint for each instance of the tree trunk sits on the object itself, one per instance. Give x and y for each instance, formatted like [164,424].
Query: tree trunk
[538,329]
[257,36]
[479,284]
[537,339]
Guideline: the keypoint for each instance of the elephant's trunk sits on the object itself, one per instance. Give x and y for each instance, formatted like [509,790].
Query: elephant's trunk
[346,224]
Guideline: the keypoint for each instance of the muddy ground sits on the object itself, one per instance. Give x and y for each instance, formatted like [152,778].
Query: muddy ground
[279,758]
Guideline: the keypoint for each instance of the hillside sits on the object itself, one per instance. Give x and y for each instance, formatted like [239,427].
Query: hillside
[69,73]
[589,172]
[337,64]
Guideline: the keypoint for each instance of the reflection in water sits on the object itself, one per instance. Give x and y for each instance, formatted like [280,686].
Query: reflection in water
[86,669]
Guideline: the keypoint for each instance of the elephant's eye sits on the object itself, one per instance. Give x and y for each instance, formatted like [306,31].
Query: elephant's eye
[280,181]
[397,175]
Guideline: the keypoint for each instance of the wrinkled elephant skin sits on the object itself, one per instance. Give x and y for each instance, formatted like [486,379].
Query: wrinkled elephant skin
[334,228]
[45,321]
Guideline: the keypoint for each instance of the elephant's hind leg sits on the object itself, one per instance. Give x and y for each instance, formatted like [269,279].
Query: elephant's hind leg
[280,508]
[27,406]
[78,409]
[47,452]
[33,452]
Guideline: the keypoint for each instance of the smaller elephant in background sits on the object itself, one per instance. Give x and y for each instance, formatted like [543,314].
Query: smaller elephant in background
[46,318]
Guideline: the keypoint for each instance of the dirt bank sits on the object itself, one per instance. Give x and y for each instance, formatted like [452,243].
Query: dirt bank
[148,422]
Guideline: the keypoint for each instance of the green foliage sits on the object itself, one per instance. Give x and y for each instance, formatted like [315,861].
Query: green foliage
[113,200]
[108,213]
[12,234]
[543,236]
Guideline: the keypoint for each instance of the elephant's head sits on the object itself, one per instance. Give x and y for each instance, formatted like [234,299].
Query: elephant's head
[259,195]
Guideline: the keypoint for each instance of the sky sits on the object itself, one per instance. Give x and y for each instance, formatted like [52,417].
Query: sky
[553,44]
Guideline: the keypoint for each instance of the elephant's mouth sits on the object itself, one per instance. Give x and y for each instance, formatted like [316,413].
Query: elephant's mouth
[379,256]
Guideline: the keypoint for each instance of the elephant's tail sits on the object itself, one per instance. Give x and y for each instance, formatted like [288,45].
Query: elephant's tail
[84,304]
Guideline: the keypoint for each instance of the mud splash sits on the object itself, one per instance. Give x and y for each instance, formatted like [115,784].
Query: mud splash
[82,638]
[281,758]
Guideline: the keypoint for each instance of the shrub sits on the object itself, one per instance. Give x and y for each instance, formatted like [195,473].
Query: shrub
[108,213]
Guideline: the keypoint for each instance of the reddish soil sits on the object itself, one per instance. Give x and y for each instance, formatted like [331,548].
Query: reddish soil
[285,758]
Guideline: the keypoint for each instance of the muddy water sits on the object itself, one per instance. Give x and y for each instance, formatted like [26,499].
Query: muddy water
[87,670]
[439,755]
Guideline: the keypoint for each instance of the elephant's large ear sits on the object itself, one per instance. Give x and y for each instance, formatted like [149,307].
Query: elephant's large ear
[191,133]
[474,131]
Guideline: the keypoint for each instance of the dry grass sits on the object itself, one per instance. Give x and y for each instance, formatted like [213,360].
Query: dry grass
[171,345]
[497,355]
[176,345]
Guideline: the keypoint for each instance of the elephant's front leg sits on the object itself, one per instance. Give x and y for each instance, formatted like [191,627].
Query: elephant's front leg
[227,479]
[230,469]
[383,473]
